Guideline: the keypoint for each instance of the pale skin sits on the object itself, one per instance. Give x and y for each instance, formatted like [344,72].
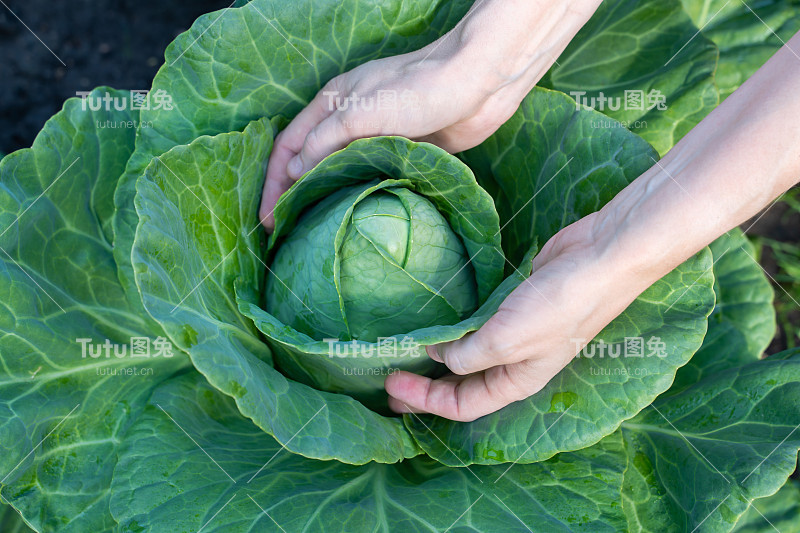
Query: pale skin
[728,168]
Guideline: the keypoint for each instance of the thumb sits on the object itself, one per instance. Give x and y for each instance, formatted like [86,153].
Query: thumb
[497,342]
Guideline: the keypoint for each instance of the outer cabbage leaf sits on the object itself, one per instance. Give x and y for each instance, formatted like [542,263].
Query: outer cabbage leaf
[266,58]
[642,45]
[747,34]
[745,294]
[198,236]
[246,482]
[62,415]
[548,167]
[779,511]
[698,458]
[742,323]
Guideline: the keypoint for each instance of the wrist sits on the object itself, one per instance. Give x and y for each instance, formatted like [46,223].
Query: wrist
[533,34]
[632,233]
[722,173]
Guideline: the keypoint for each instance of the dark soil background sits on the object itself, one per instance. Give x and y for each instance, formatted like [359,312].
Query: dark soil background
[118,43]
[780,223]
[121,44]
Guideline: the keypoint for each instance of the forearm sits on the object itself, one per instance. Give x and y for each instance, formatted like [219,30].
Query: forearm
[732,165]
[512,43]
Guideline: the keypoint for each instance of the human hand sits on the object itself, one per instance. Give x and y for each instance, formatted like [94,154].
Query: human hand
[572,294]
[718,176]
[448,110]
[463,87]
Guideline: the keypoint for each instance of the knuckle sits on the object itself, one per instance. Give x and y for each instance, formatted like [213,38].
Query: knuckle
[499,341]
[313,143]
[357,124]
[334,84]
[349,123]
[515,387]
[462,413]
[456,364]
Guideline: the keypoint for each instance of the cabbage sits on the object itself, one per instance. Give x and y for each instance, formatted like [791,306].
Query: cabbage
[259,404]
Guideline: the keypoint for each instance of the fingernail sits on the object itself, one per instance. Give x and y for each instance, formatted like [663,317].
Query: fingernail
[433,353]
[295,167]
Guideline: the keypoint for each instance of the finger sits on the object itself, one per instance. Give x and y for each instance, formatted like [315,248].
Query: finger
[287,145]
[410,393]
[433,353]
[440,139]
[497,342]
[400,406]
[276,184]
[330,135]
[464,398]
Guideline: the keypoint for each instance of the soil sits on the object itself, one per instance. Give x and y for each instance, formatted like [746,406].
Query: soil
[782,224]
[117,43]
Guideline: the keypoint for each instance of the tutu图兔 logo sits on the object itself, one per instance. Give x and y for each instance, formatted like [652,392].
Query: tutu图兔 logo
[636,100]
[136,347]
[630,347]
[137,100]
[384,347]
